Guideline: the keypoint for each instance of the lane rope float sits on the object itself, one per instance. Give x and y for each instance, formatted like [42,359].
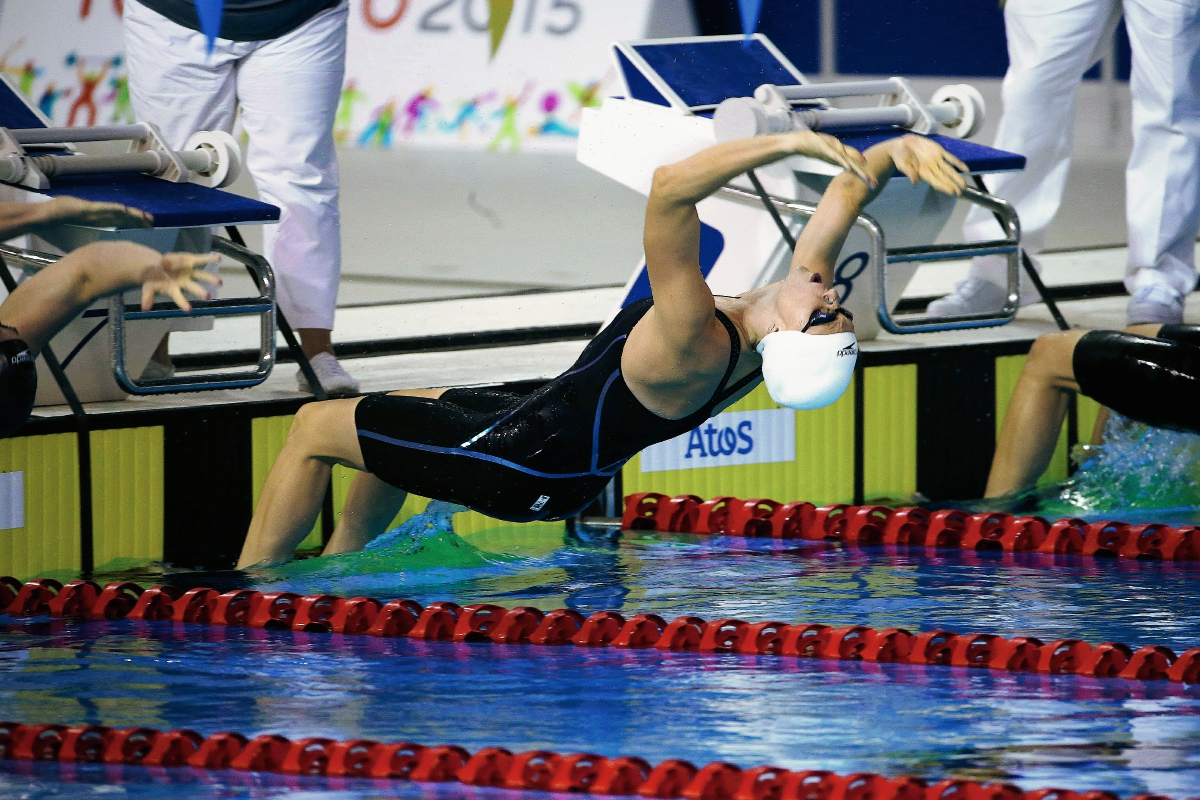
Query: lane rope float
[484,622]
[537,770]
[909,527]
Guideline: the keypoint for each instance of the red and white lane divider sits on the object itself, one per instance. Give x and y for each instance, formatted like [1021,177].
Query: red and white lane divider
[524,625]
[538,770]
[911,527]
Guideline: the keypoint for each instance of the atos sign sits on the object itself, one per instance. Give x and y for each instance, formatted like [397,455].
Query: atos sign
[735,437]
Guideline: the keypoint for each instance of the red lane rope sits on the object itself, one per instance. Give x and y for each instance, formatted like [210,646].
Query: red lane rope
[913,527]
[539,770]
[483,622]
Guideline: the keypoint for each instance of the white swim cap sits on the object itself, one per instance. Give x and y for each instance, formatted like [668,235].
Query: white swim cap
[807,370]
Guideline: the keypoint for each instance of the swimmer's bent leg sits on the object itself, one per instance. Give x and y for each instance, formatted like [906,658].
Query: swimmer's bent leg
[1035,414]
[323,434]
[1155,381]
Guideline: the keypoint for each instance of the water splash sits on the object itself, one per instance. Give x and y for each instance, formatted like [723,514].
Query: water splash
[1140,473]
[425,542]
[438,517]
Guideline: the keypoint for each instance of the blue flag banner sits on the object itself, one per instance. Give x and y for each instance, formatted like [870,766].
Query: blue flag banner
[749,9]
[209,12]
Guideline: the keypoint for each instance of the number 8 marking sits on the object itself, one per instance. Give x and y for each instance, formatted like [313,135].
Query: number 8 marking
[842,279]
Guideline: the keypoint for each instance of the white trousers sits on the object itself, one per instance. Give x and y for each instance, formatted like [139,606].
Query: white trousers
[288,89]
[1051,43]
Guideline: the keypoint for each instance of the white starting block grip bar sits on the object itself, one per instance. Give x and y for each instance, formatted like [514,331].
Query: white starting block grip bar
[212,158]
[959,108]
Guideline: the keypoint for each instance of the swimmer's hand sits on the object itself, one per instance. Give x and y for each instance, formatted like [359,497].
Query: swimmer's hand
[921,159]
[829,148]
[73,211]
[176,273]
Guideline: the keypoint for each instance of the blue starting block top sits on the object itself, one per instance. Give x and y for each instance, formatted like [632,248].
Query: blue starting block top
[695,74]
[173,205]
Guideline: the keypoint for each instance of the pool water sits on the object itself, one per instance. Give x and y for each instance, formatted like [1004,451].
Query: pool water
[1034,730]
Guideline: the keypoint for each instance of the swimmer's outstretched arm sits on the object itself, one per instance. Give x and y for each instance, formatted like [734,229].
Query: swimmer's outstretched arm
[42,305]
[17,219]
[683,316]
[917,158]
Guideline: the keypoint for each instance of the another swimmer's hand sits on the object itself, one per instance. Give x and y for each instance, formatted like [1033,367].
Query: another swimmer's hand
[176,273]
[828,148]
[73,211]
[921,159]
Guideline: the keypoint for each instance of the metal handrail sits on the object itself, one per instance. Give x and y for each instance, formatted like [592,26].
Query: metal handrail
[1010,246]
[263,306]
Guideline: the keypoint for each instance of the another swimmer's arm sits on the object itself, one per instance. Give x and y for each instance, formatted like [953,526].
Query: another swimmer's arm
[51,298]
[17,219]
[916,157]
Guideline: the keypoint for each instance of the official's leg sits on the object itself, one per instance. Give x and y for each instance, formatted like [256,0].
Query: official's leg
[289,89]
[1051,43]
[1162,179]
[323,434]
[1035,414]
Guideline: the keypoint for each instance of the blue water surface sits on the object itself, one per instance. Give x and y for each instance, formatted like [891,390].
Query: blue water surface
[1036,731]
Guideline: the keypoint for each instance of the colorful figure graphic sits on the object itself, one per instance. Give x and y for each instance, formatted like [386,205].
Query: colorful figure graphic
[380,128]
[85,8]
[418,110]
[119,96]
[29,73]
[508,120]
[468,111]
[49,97]
[586,95]
[551,126]
[88,81]
[344,121]
[25,75]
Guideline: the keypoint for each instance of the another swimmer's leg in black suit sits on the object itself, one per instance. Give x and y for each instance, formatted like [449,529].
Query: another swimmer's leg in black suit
[1035,414]
[1149,373]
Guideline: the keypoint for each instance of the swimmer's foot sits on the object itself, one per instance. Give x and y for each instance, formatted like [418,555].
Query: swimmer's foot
[330,373]
[1155,303]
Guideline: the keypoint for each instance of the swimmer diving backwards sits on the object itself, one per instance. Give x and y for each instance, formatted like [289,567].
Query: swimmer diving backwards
[661,368]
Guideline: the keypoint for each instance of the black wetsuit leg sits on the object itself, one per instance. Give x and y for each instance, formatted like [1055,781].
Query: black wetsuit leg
[18,385]
[1184,334]
[417,444]
[1155,381]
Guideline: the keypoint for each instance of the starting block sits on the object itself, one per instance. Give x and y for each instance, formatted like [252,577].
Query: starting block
[181,189]
[684,95]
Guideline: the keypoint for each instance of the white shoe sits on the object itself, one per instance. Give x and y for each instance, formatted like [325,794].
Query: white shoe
[972,296]
[1155,303]
[335,380]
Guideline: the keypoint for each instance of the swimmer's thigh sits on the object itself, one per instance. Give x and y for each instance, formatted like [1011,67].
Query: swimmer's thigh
[415,444]
[1154,381]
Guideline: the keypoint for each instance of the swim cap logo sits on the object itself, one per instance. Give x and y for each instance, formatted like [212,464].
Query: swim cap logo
[848,350]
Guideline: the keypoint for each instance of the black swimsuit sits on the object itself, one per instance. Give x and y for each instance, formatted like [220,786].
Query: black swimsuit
[18,385]
[545,456]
